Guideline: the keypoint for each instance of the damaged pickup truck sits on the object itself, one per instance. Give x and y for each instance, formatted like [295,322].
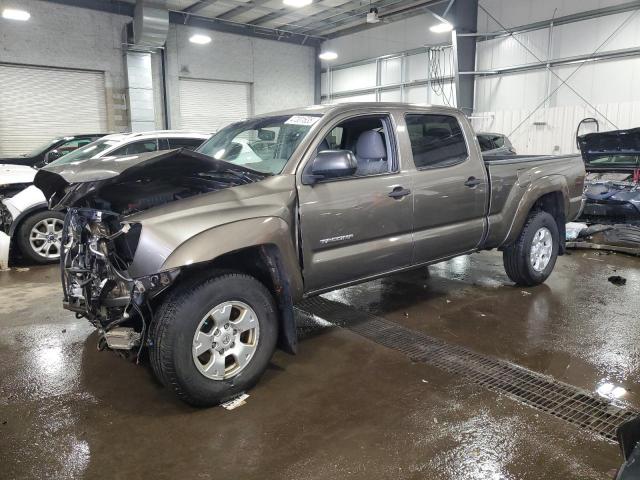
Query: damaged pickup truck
[612,161]
[200,256]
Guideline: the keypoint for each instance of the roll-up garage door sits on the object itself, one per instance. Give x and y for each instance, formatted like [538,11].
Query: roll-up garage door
[38,104]
[208,105]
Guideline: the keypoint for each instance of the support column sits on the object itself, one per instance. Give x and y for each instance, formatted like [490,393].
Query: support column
[464,17]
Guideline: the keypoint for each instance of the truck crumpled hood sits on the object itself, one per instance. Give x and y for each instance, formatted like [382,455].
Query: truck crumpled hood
[144,177]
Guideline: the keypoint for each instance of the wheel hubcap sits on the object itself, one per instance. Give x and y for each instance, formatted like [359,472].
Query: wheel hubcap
[45,237]
[541,249]
[225,340]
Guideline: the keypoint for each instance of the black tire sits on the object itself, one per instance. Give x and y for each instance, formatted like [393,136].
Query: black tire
[175,324]
[24,232]
[517,257]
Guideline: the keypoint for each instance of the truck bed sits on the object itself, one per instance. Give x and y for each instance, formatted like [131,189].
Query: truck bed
[513,176]
[506,159]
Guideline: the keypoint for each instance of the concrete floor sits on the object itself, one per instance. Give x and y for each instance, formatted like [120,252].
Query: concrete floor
[344,407]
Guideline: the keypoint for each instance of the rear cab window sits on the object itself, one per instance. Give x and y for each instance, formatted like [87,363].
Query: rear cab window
[436,140]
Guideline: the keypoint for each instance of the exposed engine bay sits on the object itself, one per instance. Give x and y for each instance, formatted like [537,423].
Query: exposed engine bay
[99,242]
[96,285]
[611,198]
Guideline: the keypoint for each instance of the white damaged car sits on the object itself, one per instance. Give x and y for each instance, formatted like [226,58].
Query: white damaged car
[25,219]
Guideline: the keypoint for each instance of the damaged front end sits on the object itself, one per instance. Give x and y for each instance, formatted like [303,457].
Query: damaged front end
[96,251]
[103,238]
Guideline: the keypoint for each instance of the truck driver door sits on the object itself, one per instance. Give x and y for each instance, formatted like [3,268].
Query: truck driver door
[360,225]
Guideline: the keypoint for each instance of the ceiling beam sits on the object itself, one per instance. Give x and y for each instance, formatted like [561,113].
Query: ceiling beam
[197,6]
[234,12]
[187,18]
[283,12]
[325,20]
[355,23]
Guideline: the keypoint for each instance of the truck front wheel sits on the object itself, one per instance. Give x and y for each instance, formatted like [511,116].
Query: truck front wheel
[531,258]
[213,340]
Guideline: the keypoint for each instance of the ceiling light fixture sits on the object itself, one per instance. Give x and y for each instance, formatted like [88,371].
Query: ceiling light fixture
[12,14]
[200,39]
[297,3]
[441,27]
[444,25]
[328,55]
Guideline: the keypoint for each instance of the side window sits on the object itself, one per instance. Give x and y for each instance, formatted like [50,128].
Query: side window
[436,140]
[334,139]
[498,141]
[368,139]
[72,145]
[188,143]
[142,146]
[485,143]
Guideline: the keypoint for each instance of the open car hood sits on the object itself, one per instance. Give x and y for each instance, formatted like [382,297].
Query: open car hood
[616,143]
[65,185]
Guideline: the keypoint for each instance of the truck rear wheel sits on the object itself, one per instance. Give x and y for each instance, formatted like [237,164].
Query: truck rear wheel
[530,259]
[213,340]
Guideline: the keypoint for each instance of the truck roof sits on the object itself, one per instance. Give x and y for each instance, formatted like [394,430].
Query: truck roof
[343,107]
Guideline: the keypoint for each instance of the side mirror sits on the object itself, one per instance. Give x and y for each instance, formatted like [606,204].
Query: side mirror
[266,135]
[51,156]
[331,164]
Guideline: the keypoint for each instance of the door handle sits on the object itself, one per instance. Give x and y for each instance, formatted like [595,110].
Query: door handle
[399,192]
[472,182]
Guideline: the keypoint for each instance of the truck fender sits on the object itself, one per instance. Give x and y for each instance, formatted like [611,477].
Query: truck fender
[535,190]
[273,236]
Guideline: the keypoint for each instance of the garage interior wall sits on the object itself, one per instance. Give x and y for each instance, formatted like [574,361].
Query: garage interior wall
[504,101]
[280,75]
[84,40]
[360,74]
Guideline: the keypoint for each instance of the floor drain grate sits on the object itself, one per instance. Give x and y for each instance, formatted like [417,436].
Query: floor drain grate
[541,392]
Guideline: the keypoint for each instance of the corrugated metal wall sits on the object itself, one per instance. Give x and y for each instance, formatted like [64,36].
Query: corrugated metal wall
[504,101]
[402,78]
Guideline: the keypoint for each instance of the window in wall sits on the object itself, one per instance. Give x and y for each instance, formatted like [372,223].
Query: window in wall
[436,140]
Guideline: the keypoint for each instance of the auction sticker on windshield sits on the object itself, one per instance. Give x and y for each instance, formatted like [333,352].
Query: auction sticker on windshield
[302,120]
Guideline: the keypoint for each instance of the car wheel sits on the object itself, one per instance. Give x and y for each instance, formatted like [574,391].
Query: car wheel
[39,236]
[530,259]
[213,340]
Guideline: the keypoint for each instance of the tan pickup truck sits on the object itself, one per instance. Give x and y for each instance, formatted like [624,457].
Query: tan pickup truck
[200,256]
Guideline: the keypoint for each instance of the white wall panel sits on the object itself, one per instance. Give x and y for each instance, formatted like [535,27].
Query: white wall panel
[552,130]
[570,39]
[507,51]
[391,71]
[512,91]
[368,97]
[416,67]
[513,13]
[354,78]
[391,96]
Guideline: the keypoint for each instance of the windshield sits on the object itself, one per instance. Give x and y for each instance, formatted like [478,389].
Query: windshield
[263,144]
[86,152]
[42,148]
